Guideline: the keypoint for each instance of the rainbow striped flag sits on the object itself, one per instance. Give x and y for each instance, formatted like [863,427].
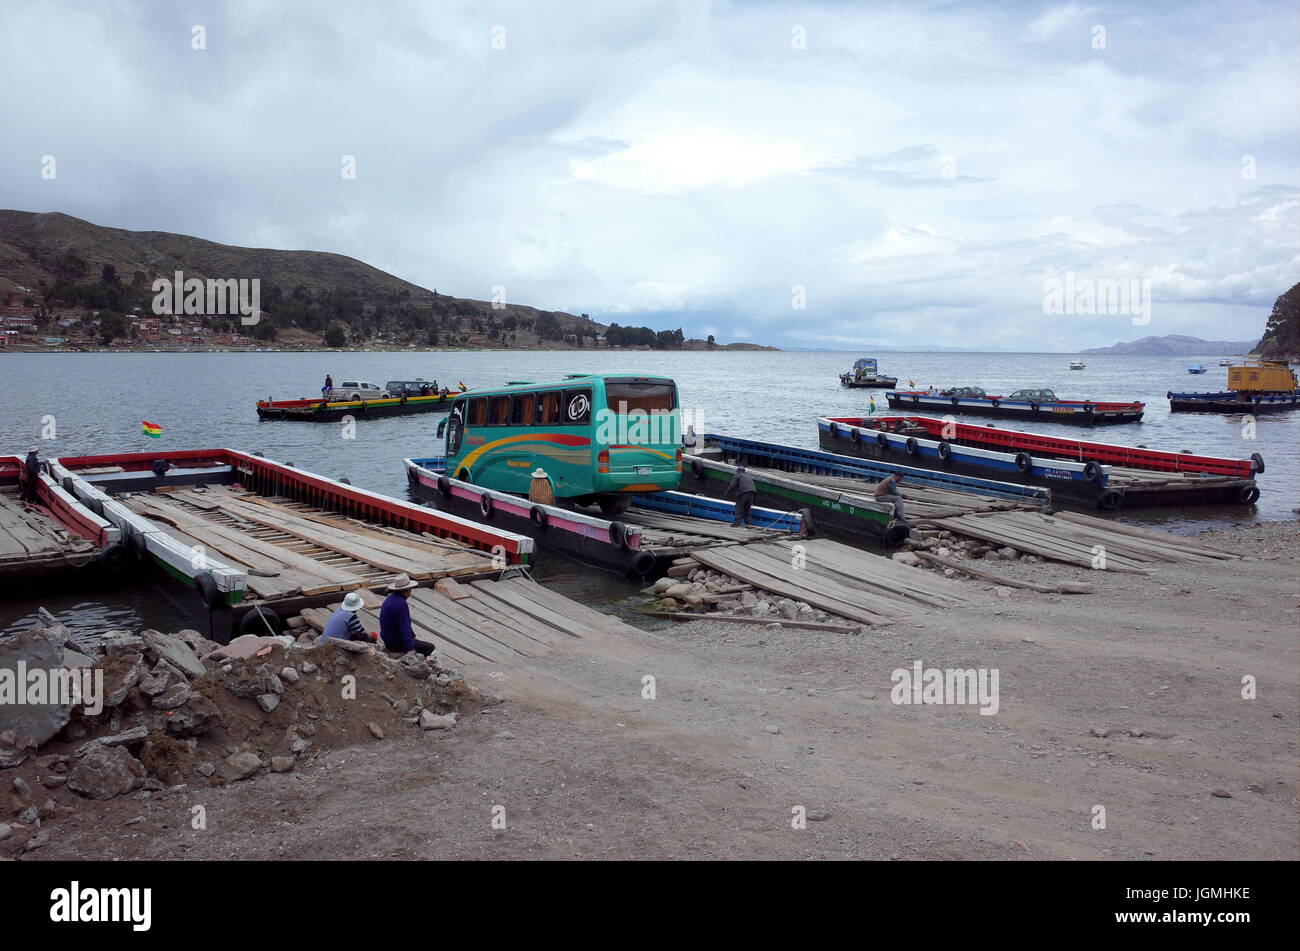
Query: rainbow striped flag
[152,430]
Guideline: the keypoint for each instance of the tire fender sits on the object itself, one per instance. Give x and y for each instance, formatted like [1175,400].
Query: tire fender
[261,621]
[115,558]
[618,535]
[641,566]
[697,468]
[1034,406]
[444,485]
[882,440]
[895,533]
[911,445]
[856,435]
[537,515]
[1110,499]
[208,591]
[486,506]
[834,429]
[1258,461]
[1248,495]
[945,450]
[1092,470]
[1024,462]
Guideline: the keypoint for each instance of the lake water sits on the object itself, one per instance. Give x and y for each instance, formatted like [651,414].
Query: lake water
[96,402]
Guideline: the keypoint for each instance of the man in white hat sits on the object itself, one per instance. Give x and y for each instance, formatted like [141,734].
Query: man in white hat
[344,623]
[395,619]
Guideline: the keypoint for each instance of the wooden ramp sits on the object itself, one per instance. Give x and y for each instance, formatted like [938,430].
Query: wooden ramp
[497,623]
[29,538]
[665,534]
[922,502]
[1076,539]
[837,579]
[291,548]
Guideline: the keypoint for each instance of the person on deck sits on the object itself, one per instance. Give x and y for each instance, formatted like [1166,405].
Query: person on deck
[887,491]
[395,619]
[690,440]
[742,486]
[329,385]
[31,474]
[344,623]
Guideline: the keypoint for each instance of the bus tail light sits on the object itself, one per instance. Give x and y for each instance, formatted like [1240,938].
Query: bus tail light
[679,460]
[602,461]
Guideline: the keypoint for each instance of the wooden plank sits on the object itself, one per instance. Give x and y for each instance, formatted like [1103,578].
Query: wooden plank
[523,601]
[463,636]
[740,619]
[596,620]
[815,577]
[458,613]
[1065,587]
[503,614]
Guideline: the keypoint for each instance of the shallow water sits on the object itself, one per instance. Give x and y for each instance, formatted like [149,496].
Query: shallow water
[96,402]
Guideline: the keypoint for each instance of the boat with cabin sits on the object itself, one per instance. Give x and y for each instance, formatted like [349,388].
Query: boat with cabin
[1077,365]
[1102,475]
[1254,386]
[866,375]
[1196,368]
[1039,404]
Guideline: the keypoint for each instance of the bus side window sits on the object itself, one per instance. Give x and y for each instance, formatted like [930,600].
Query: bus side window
[577,407]
[477,412]
[521,410]
[548,407]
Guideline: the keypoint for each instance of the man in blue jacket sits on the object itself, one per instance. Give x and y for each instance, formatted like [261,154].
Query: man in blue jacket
[395,619]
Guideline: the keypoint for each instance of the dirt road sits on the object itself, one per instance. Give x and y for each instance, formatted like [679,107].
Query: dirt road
[748,724]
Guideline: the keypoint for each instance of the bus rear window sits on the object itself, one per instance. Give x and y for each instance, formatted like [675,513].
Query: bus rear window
[477,412]
[623,398]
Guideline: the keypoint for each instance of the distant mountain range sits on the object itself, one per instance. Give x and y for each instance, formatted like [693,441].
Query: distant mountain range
[1178,345]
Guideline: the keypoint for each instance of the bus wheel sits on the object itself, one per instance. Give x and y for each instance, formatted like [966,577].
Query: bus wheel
[614,504]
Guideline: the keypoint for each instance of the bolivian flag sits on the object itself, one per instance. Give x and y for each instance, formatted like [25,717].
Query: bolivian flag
[152,430]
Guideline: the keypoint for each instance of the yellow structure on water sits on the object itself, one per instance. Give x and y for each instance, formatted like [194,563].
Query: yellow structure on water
[1262,376]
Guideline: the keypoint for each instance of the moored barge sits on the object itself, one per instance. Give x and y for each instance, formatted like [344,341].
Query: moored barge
[1229,401]
[323,411]
[1103,475]
[1040,405]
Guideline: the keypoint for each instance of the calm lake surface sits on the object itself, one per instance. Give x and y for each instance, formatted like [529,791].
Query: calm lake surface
[204,400]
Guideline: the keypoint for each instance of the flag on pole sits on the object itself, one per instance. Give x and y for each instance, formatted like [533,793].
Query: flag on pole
[873,404]
[463,387]
[152,430]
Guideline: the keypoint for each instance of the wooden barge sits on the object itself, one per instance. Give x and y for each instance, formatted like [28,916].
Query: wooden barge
[1103,475]
[250,539]
[53,536]
[1073,412]
[322,411]
[832,491]
[1230,401]
[657,528]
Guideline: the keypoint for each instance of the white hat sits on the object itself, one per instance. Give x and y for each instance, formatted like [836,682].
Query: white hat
[540,473]
[352,602]
[36,449]
[402,583]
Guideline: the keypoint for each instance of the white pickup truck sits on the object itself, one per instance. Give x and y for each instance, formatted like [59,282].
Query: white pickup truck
[357,390]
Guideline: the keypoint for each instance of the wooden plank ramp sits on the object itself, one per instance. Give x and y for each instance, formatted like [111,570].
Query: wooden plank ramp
[501,624]
[837,579]
[29,536]
[1078,539]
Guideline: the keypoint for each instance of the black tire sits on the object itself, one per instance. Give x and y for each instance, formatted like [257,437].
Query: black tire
[538,517]
[464,476]
[345,481]
[618,535]
[995,403]
[1110,499]
[834,429]
[1258,460]
[67,486]
[115,558]
[697,468]
[895,533]
[945,450]
[916,399]
[614,504]
[856,435]
[882,440]
[411,477]
[486,506]
[1024,462]
[912,446]
[1091,471]
[1035,407]
[444,485]
[641,567]
[135,541]
[211,595]
[261,622]
[1248,495]
[953,400]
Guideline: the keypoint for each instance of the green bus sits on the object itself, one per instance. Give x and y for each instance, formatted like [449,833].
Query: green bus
[599,438]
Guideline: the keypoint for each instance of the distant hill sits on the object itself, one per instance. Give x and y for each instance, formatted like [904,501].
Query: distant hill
[1179,345]
[1281,339]
[55,265]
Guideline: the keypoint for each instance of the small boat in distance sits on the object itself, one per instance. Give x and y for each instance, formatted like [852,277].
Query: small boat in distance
[1225,362]
[865,374]
[1077,364]
[1196,368]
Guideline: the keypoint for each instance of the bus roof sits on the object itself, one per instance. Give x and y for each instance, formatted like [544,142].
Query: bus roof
[572,379]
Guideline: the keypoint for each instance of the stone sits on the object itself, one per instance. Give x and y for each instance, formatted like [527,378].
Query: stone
[241,766]
[663,584]
[173,697]
[175,651]
[308,667]
[75,658]
[789,611]
[678,592]
[257,681]
[505,735]
[1007,554]
[38,722]
[27,815]
[289,675]
[1255,788]
[413,665]
[128,738]
[281,764]
[434,721]
[268,701]
[352,647]
[198,715]
[55,761]
[375,730]
[120,643]
[299,746]
[773,729]
[818,815]
[5,830]
[205,769]
[105,772]
[1221,794]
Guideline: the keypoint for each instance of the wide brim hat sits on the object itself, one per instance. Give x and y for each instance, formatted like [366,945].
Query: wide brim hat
[353,602]
[402,583]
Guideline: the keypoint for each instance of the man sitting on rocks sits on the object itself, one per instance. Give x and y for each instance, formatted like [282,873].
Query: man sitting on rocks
[344,623]
[395,619]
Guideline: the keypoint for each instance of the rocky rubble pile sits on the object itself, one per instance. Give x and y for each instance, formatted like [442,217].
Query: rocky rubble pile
[178,710]
[703,590]
[945,544]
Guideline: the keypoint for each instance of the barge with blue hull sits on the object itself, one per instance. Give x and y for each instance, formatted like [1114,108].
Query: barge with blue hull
[1040,405]
[1100,475]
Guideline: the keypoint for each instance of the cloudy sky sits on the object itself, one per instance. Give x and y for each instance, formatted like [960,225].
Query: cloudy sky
[819,174]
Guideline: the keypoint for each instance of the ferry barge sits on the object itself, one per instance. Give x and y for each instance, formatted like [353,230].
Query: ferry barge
[1103,475]
[1255,386]
[866,374]
[326,411]
[1041,405]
